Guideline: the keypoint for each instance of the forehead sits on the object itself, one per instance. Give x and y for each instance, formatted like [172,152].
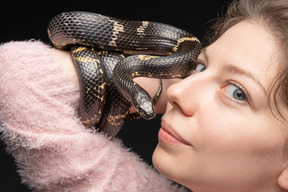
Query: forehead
[249,46]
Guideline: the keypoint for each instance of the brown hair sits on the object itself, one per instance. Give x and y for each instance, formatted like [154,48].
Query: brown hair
[273,15]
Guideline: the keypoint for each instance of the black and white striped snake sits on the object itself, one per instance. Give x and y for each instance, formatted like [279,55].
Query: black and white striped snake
[110,52]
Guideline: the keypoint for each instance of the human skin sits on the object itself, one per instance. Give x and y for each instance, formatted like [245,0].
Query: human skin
[213,137]
[218,133]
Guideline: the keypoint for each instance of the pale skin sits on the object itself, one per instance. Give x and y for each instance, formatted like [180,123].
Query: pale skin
[229,142]
[218,132]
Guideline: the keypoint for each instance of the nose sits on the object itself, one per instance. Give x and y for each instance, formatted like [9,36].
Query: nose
[188,94]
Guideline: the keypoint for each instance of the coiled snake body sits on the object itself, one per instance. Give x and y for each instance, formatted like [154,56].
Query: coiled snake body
[99,46]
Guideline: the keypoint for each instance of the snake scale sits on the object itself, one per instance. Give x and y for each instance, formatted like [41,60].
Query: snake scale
[109,53]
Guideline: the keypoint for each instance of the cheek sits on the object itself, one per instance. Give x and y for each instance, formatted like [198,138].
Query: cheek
[243,144]
[228,147]
[231,133]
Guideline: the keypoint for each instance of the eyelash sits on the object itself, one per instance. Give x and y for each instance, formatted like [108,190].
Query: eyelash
[230,82]
[243,103]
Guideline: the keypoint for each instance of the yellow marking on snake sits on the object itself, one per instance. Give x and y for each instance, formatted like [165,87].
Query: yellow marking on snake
[136,74]
[102,52]
[98,97]
[175,76]
[117,28]
[87,59]
[98,89]
[102,86]
[149,74]
[141,29]
[91,119]
[146,57]
[112,119]
[183,39]
[79,49]
[88,89]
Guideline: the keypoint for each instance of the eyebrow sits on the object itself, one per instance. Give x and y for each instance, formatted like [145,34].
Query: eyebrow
[236,70]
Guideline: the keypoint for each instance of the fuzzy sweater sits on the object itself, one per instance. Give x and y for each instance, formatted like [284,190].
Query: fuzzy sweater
[53,150]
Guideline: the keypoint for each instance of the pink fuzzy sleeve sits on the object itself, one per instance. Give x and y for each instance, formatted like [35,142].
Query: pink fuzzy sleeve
[53,151]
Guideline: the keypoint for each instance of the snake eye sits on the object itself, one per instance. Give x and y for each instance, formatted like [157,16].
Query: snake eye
[144,106]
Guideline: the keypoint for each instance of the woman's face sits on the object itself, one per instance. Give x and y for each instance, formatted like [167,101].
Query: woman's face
[218,133]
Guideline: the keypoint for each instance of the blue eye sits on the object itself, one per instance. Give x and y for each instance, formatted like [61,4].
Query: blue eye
[200,67]
[235,92]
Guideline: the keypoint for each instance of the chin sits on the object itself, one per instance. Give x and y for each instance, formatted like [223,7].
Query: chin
[170,165]
[163,162]
[158,160]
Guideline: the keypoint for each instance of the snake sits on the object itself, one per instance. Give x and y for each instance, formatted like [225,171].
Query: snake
[109,53]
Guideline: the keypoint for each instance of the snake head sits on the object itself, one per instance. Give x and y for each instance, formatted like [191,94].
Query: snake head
[144,106]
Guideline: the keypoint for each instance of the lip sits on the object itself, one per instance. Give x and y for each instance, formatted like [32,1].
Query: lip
[168,135]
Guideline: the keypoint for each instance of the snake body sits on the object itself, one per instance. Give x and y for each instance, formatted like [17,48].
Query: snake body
[93,83]
[173,54]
